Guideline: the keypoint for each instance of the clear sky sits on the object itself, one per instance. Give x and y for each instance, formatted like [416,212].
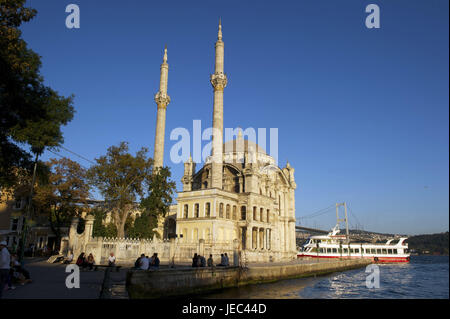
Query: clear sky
[362,113]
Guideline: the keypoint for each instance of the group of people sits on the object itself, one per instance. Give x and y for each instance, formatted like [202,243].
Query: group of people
[10,269]
[145,263]
[200,261]
[86,262]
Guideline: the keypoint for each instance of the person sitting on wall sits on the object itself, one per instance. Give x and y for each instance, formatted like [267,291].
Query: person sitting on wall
[195,260]
[111,260]
[202,261]
[210,261]
[150,261]
[227,261]
[143,263]
[90,261]
[155,261]
[223,261]
[137,263]
[81,260]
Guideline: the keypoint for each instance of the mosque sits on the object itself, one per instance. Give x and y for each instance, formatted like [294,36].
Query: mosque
[239,195]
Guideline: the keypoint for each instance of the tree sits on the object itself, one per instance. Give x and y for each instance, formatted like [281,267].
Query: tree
[65,194]
[120,176]
[99,229]
[160,190]
[31,113]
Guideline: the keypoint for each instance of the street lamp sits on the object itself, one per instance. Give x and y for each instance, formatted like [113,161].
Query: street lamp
[37,151]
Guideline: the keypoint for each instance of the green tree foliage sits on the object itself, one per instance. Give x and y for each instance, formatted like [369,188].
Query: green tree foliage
[31,113]
[99,229]
[433,243]
[65,194]
[160,190]
[159,195]
[120,177]
[143,226]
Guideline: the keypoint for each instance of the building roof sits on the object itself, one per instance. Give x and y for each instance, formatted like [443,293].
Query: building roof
[241,145]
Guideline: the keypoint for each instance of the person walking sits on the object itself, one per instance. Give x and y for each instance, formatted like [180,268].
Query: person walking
[5,265]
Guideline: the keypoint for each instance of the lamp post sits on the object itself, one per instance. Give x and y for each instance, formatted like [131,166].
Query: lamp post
[26,220]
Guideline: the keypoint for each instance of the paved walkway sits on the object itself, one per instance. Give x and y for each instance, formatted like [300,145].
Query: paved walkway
[49,282]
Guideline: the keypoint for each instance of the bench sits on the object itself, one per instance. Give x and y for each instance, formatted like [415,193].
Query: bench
[117,268]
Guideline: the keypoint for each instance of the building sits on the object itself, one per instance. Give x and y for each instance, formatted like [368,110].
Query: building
[239,194]
[13,209]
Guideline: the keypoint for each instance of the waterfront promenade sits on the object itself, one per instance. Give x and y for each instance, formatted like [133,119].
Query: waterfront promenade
[49,279]
[49,282]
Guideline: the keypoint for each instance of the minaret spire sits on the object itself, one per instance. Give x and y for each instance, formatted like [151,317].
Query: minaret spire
[219,34]
[219,82]
[165,54]
[162,100]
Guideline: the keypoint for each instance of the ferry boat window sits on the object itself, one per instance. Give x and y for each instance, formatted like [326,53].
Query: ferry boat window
[328,250]
[334,250]
[351,251]
[321,250]
[395,251]
[367,251]
[356,250]
[389,251]
[345,250]
[384,251]
[378,251]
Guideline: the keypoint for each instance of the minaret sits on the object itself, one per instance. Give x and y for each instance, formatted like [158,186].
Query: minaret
[162,100]
[219,82]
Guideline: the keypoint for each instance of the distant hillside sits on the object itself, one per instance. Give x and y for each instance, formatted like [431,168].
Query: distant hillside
[429,244]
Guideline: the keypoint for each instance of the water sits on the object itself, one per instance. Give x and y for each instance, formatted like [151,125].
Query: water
[424,277]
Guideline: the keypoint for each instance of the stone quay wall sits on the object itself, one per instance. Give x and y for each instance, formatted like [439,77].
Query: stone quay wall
[187,281]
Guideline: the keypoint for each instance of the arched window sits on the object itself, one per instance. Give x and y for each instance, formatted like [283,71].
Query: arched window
[254,213]
[205,184]
[208,210]
[186,211]
[228,212]
[243,213]
[196,210]
[261,212]
[268,216]
[221,210]
[234,212]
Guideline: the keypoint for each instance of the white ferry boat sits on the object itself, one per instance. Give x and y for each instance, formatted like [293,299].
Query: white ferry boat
[335,245]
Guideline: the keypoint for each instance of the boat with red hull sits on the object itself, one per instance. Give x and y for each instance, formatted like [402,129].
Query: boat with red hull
[334,245]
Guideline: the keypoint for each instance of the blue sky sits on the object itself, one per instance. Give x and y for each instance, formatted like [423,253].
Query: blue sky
[362,113]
